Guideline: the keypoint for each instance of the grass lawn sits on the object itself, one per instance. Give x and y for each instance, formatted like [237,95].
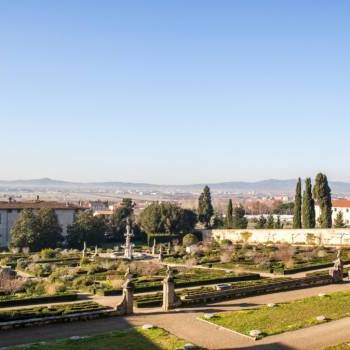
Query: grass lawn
[133,339]
[286,317]
[344,346]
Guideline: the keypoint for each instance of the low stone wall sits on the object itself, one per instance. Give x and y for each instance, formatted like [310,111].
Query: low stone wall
[41,321]
[299,283]
[336,236]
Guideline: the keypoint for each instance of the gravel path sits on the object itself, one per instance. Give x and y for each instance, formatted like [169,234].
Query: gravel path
[184,324]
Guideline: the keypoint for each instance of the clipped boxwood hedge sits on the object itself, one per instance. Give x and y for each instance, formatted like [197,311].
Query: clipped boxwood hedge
[48,311]
[38,300]
[157,286]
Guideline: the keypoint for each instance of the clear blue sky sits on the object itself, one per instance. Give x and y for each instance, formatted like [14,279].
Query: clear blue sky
[174,91]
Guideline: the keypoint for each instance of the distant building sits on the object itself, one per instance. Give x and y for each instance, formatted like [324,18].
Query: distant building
[9,212]
[338,205]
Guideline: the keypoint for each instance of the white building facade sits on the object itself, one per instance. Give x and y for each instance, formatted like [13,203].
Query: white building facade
[338,205]
[9,212]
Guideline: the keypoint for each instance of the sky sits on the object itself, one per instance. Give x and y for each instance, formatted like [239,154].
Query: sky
[174,92]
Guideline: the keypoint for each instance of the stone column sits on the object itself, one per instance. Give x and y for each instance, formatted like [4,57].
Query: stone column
[154,247]
[160,257]
[169,296]
[126,307]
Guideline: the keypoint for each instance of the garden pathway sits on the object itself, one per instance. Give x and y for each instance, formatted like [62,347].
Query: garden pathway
[184,324]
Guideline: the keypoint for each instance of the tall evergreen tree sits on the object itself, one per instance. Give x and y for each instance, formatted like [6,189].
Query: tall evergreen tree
[297,206]
[278,223]
[49,231]
[261,222]
[270,222]
[24,233]
[239,219]
[205,207]
[309,220]
[323,198]
[339,220]
[229,214]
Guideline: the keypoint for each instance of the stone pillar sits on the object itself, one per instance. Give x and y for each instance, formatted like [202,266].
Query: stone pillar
[154,247]
[169,248]
[160,257]
[169,296]
[126,307]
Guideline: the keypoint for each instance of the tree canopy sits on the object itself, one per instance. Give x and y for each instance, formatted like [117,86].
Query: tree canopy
[308,206]
[36,230]
[86,228]
[323,198]
[297,206]
[239,219]
[167,218]
[205,207]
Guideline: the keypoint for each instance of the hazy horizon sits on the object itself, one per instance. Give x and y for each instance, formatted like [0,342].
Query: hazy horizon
[174,92]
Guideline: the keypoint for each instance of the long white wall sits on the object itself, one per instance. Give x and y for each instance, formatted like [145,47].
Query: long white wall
[302,236]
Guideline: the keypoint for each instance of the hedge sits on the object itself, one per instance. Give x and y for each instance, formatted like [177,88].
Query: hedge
[194,283]
[38,300]
[306,268]
[48,311]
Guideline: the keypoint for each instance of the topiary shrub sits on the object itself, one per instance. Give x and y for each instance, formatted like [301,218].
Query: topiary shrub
[189,240]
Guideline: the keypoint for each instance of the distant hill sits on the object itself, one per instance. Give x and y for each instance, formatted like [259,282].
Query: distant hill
[265,186]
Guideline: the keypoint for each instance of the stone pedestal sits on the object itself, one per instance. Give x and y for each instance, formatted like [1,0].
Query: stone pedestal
[126,307]
[337,271]
[170,300]
[154,247]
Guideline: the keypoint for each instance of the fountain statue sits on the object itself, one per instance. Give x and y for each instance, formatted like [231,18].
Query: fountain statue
[128,247]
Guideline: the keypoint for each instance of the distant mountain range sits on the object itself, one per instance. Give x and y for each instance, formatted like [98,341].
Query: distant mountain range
[272,186]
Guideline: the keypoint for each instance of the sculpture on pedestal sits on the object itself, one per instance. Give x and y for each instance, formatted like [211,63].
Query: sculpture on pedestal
[126,307]
[128,247]
[337,271]
[170,300]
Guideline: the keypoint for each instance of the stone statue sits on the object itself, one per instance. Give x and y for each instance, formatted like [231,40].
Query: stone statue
[337,271]
[128,247]
[169,297]
[126,307]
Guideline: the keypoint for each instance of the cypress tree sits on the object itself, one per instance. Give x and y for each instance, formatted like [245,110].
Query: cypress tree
[261,223]
[278,224]
[239,219]
[229,214]
[297,206]
[323,198]
[309,220]
[270,222]
[205,208]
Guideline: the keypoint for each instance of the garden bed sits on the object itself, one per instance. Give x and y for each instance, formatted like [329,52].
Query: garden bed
[13,300]
[48,311]
[286,317]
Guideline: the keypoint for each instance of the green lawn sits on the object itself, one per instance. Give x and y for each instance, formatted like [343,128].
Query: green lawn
[344,346]
[286,317]
[133,339]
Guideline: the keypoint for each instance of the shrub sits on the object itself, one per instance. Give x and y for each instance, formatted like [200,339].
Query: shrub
[246,236]
[189,240]
[48,253]
[22,264]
